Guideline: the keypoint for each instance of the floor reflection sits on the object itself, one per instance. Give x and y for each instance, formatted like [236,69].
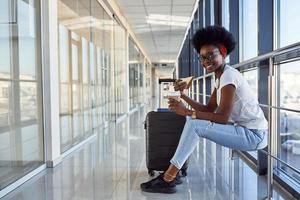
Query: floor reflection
[113,165]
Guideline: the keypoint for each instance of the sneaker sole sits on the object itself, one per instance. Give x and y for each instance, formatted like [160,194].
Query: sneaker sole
[178,182]
[160,190]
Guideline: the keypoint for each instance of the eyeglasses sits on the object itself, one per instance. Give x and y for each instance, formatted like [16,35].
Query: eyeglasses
[209,57]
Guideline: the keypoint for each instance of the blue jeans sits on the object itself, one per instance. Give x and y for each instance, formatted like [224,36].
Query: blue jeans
[228,135]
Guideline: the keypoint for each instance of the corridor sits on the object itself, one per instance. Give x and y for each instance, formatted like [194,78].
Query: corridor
[111,166]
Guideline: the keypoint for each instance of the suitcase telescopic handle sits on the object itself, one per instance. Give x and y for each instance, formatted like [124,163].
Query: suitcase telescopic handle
[166,80]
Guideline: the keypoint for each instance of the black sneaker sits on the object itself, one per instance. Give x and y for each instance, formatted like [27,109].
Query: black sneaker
[158,185]
[178,180]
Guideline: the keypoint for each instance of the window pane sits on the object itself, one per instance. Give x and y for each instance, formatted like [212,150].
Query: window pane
[8,12]
[77,124]
[225,14]
[95,120]
[75,63]
[92,102]
[87,121]
[31,143]
[75,97]
[289,85]
[288,17]
[99,65]
[5,105]
[133,73]
[66,131]
[64,53]
[27,40]
[289,141]
[250,31]
[64,98]
[86,96]
[251,77]
[28,99]
[5,47]
[5,149]
[85,61]
[289,126]
[92,62]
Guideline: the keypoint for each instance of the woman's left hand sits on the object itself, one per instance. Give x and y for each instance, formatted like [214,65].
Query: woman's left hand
[177,106]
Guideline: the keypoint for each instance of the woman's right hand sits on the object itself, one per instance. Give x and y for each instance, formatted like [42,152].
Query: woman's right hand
[179,85]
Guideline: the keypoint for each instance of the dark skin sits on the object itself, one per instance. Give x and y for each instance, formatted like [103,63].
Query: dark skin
[211,112]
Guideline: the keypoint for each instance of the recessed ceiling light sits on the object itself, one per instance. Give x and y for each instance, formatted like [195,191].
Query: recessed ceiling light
[87,22]
[167,61]
[167,20]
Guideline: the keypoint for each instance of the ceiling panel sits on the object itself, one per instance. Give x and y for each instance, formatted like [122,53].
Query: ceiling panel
[162,10]
[136,21]
[184,2]
[136,16]
[158,2]
[134,9]
[182,9]
[160,34]
[130,3]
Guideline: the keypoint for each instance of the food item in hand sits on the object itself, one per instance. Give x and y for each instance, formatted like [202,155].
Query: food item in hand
[188,81]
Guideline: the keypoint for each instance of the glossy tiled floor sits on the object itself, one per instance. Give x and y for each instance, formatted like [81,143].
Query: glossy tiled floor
[113,165]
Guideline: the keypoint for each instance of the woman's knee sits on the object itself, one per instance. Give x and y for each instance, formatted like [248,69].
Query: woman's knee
[190,123]
[199,123]
[200,126]
[189,127]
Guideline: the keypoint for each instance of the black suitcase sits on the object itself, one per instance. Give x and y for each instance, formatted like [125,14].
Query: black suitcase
[163,131]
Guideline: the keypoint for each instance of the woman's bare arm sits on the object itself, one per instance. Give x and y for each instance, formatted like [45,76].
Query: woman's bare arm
[210,107]
[224,110]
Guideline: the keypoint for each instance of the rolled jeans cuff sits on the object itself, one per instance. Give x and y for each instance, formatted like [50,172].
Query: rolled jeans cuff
[176,164]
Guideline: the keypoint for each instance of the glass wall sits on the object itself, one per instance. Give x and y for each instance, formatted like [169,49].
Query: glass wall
[86,69]
[21,125]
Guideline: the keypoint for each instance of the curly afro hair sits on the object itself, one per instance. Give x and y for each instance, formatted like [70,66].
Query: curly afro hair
[214,35]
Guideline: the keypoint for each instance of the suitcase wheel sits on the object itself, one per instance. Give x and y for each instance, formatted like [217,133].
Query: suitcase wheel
[151,172]
[183,172]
